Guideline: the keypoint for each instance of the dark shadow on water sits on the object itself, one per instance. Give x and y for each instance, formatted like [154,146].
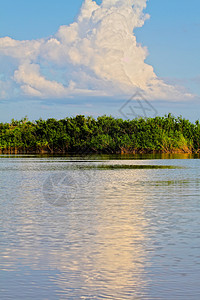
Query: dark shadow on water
[133,167]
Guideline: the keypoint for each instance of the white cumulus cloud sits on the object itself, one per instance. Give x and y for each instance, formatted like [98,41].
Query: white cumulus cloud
[96,55]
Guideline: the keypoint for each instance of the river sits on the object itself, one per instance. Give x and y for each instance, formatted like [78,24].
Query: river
[99,227]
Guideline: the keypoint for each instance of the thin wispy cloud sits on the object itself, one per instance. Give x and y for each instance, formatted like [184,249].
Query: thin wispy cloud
[97,55]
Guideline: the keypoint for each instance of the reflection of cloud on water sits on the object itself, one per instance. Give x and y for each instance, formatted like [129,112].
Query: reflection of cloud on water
[120,238]
[110,261]
[96,243]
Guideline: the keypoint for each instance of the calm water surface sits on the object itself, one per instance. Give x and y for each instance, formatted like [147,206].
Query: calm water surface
[71,228]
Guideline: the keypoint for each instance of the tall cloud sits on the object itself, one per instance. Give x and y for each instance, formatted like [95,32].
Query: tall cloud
[96,55]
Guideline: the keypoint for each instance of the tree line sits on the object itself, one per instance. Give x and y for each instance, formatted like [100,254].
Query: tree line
[105,134]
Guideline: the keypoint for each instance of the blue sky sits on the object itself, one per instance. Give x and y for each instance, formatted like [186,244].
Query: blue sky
[171,35]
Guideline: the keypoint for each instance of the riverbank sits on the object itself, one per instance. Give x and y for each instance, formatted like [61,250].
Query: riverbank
[107,135]
[86,153]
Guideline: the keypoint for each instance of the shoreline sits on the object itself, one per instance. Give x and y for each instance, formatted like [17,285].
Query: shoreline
[82,135]
[83,152]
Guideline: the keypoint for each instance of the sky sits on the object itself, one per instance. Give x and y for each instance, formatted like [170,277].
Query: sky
[62,58]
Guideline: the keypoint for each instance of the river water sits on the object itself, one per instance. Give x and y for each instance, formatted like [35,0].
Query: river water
[99,228]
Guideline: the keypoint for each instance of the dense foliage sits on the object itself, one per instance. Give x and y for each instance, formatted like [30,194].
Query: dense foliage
[104,135]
